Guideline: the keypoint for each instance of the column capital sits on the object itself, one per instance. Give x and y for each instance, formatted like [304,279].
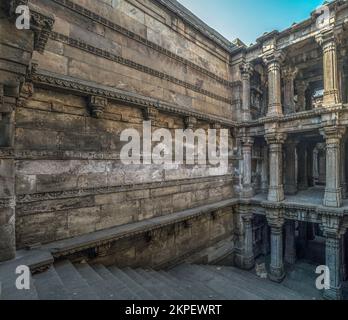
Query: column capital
[333,133]
[275,138]
[97,105]
[289,73]
[329,37]
[274,56]
[247,70]
[332,226]
[247,141]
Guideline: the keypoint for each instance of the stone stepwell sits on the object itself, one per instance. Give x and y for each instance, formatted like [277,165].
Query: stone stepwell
[67,281]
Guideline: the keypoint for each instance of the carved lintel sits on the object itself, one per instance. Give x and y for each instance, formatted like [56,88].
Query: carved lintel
[190,122]
[150,114]
[97,105]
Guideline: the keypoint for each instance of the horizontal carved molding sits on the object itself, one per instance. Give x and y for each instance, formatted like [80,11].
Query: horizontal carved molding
[99,19]
[27,198]
[8,203]
[131,64]
[86,88]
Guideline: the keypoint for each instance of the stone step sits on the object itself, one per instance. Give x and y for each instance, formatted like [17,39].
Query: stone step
[9,290]
[124,292]
[163,285]
[74,283]
[101,287]
[224,286]
[155,287]
[49,286]
[261,287]
[184,288]
[140,291]
[221,287]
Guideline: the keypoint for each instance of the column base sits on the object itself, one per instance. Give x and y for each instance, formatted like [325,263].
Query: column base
[276,194]
[333,294]
[333,198]
[244,263]
[276,274]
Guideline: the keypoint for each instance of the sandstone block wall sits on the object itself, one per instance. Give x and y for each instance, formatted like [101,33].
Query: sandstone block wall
[69,179]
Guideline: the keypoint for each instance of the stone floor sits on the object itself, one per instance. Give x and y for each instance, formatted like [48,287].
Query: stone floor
[311,196]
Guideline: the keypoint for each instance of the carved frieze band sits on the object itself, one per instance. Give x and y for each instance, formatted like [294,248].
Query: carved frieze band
[99,19]
[131,64]
[25,198]
[71,84]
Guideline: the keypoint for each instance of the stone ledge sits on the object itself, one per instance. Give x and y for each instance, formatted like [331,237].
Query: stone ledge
[69,246]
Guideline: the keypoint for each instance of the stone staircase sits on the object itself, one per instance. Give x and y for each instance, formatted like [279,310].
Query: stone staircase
[67,281]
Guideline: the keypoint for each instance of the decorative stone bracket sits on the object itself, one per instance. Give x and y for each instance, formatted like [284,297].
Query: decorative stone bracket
[41,22]
[190,122]
[150,114]
[97,105]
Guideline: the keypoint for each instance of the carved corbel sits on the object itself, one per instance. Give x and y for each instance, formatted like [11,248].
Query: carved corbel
[97,105]
[190,122]
[150,114]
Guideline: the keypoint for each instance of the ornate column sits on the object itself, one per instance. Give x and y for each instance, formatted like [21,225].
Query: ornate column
[273,62]
[276,188]
[302,166]
[265,241]
[290,244]
[289,75]
[315,166]
[301,87]
[290,165]
[246,72]
[343,168]
[343,259]
[264,170]
[328,41]
[7,177]
[276,222]
[331,226]
[247,189]
[333,190]
[248,256]
[302,238]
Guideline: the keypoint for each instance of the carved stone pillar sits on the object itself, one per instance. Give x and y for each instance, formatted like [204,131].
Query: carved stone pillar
[273,62]
[328,41]
[290,167]
[315,166]
[289,75]
[7,177]
[331,227]
[247,189]
[302,166]
[290,244]
[248,256]
[264,170]
[246,72]
[343,168]
[333,190]
[276,222]
[302,238]
[276,188]
[265,241]
[301,87]
[343,259]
